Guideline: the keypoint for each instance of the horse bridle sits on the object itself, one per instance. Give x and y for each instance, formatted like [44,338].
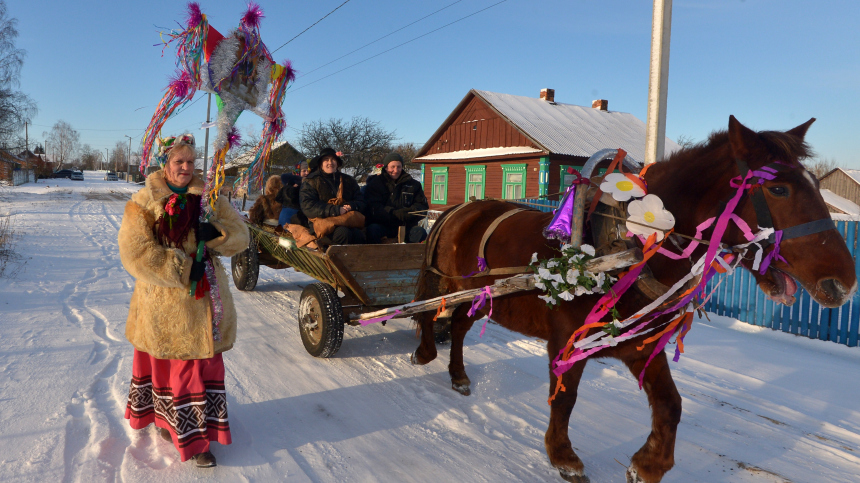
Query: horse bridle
[762,210]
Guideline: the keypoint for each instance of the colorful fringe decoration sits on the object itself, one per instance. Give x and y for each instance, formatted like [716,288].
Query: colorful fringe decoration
[180,90]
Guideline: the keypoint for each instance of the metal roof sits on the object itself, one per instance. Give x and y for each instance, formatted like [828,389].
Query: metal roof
[479,153]
[573,130]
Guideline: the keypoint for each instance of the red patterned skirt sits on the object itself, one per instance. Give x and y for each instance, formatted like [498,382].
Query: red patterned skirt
[185,397]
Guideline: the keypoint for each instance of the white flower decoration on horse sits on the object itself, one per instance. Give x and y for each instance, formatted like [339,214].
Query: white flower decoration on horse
[648,216]
[565,277]
[621,187]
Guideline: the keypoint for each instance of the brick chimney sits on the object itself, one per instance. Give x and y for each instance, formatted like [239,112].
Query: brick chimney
[548,95]
[600,104]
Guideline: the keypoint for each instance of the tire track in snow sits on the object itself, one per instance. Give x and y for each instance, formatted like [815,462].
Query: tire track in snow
[96,438]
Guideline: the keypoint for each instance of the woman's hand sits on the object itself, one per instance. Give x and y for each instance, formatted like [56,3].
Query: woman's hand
[345,209]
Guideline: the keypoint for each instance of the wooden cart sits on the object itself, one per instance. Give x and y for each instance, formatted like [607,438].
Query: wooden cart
[352,280]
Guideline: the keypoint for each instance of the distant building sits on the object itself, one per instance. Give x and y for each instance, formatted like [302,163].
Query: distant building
[513,147]
[838,204]
[14,170]
[843,182]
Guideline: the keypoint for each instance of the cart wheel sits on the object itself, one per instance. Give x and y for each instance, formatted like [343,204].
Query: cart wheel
[246,267]
[320,320]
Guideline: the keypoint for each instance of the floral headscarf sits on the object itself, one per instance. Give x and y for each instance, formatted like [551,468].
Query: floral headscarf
[165,145]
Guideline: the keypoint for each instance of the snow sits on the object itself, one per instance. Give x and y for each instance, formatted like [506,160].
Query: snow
[845,205]
[759,405]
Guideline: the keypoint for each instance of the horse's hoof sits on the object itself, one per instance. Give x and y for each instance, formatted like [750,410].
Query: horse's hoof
[463,389]
[633,476]
[573,476]
[414,359]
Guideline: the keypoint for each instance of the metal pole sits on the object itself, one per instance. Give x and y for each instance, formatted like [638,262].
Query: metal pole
[658,84]
[128,159]
[206,142]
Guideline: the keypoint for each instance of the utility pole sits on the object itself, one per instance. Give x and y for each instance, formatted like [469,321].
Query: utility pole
[658,84]
[206,142]
[26,137]
[107,159]
[128,164]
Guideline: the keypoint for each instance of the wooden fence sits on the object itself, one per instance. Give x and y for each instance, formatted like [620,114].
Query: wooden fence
[738,296]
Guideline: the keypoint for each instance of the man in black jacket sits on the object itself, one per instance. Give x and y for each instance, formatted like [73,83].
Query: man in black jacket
[394,198]
[322,185]
[288,197]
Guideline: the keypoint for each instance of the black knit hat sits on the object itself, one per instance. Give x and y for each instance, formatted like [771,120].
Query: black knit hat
[392,157]
[323,153]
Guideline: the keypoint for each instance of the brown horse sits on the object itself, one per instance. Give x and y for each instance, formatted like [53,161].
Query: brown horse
[693,184]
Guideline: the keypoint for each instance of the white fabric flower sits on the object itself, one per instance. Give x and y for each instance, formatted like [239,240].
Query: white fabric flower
[620,187]
[541,286]
[555,284]
[611,341]
[587,249]
[544,273]
[572,276]
[552,264]
[566,295]
[580,290]
[534,259]
[649,211]
[566,246]
[556,277]
[546,298]
[576,258]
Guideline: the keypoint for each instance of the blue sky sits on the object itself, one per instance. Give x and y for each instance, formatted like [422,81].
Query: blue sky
[771,63]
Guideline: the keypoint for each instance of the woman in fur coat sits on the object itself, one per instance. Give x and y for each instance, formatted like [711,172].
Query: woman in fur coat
[178,371]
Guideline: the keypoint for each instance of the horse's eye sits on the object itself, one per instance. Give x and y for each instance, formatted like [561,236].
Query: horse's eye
[778,191]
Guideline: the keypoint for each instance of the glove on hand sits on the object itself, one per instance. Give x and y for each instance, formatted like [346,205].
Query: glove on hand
[402,214]
[207,232]
[197,271]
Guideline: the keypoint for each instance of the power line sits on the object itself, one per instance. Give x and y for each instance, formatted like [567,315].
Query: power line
[305,30]
[380,38]
[397,46]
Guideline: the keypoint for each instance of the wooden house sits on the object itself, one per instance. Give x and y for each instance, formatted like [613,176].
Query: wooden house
[515,147]
[843,182]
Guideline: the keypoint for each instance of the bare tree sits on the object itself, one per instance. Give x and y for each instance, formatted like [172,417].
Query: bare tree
[16,108]
[362,141]
[119,157]
[64,142]
[685,141]
[820,166]
[90,158]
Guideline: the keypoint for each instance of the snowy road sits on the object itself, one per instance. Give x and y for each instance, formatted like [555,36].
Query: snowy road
[759,406]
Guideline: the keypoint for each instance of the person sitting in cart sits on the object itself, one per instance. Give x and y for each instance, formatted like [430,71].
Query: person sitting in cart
[288,197]
[332,201]
[266,209]
[394,199]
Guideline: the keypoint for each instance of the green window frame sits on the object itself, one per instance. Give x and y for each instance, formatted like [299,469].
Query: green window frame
[439,183]
[476,181]
[513,181]
[565,178]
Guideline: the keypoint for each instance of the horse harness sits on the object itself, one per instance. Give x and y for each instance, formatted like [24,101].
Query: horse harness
[763,214]
[487,272]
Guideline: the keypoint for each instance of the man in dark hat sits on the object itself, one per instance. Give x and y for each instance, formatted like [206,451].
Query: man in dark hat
[394,199]
[328,193]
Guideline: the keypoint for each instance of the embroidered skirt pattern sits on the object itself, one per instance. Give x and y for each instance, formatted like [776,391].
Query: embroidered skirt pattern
[185,397]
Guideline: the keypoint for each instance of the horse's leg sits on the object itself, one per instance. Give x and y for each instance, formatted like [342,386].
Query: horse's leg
[426,350]
[657,455]
[460,325]
[558,447]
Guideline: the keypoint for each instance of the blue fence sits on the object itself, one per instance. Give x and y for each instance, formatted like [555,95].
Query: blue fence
[738,296]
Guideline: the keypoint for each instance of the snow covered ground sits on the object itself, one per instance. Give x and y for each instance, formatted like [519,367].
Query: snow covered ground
[759,406]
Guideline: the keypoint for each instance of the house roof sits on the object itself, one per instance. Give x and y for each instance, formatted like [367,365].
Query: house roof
[845,206]
[567,129]
[481,153]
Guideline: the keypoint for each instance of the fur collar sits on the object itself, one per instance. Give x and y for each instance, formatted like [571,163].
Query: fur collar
[158,185]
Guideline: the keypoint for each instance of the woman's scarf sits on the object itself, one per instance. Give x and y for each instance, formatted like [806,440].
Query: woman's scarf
[181,215]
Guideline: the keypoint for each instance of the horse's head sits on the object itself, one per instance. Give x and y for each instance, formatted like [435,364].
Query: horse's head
[811,251]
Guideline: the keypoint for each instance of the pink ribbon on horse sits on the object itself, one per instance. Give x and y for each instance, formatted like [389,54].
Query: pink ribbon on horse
[478,303]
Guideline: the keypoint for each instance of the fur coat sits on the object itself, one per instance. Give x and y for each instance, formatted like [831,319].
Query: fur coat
[267,207]
[163,320]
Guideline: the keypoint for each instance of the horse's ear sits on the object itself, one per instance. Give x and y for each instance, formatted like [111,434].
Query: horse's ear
[741,138]
[800,131]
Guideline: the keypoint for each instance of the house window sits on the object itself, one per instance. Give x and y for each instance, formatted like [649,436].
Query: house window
[513,181]
[475,182]
[440,186]
[565,178]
